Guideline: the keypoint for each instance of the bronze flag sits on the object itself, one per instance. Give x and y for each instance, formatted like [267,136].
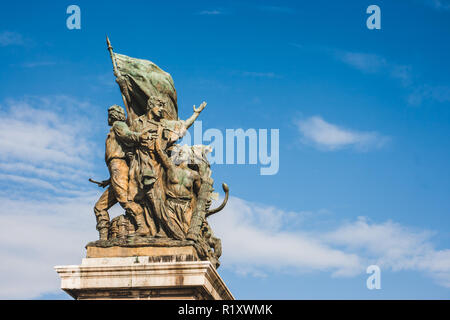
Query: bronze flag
[142,79]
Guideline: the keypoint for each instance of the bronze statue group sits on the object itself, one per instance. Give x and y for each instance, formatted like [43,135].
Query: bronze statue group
[165,189]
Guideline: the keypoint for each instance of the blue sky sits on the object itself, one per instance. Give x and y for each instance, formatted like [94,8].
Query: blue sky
[363,118]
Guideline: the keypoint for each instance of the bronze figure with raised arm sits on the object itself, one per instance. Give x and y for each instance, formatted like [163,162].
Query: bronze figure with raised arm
[181,186]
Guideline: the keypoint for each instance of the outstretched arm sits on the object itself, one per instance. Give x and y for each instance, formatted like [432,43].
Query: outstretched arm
[166,162]
[124,133]
[195,115]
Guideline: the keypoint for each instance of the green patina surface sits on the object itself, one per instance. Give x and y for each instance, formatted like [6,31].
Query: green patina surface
[145,79]
[165,199]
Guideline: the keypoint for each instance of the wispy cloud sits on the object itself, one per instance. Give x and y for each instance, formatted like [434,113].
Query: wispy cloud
[396,247]
[212,12]
[329,137]
[259,74]
[38,64]
[9,38]
[28,181]
[375,64]
[372,63]
[44,141]
[256,239]
[277,9]
[443,5]
[37,235]
[45,209]
[41,134]
[427,92]
[266,9]
[367,63]
[362,61]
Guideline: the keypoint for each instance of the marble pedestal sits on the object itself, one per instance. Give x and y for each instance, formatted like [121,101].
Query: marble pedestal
[140,277]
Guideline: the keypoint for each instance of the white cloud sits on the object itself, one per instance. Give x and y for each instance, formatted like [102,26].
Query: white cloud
[39,233]
[255,240]
[426,92]
[276,9]
[38,64]
[438,4]
[391,245]
[372,63]
[211,12]
[375,64]
[30,182]
[36,236]
[45,138]
[362,61]
[259,74]
[327,136]
[45,212]
[8,38]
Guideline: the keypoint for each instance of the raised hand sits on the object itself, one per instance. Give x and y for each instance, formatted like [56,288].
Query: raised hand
[200,108]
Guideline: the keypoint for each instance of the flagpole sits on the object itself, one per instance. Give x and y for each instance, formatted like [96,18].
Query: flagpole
[118,79]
